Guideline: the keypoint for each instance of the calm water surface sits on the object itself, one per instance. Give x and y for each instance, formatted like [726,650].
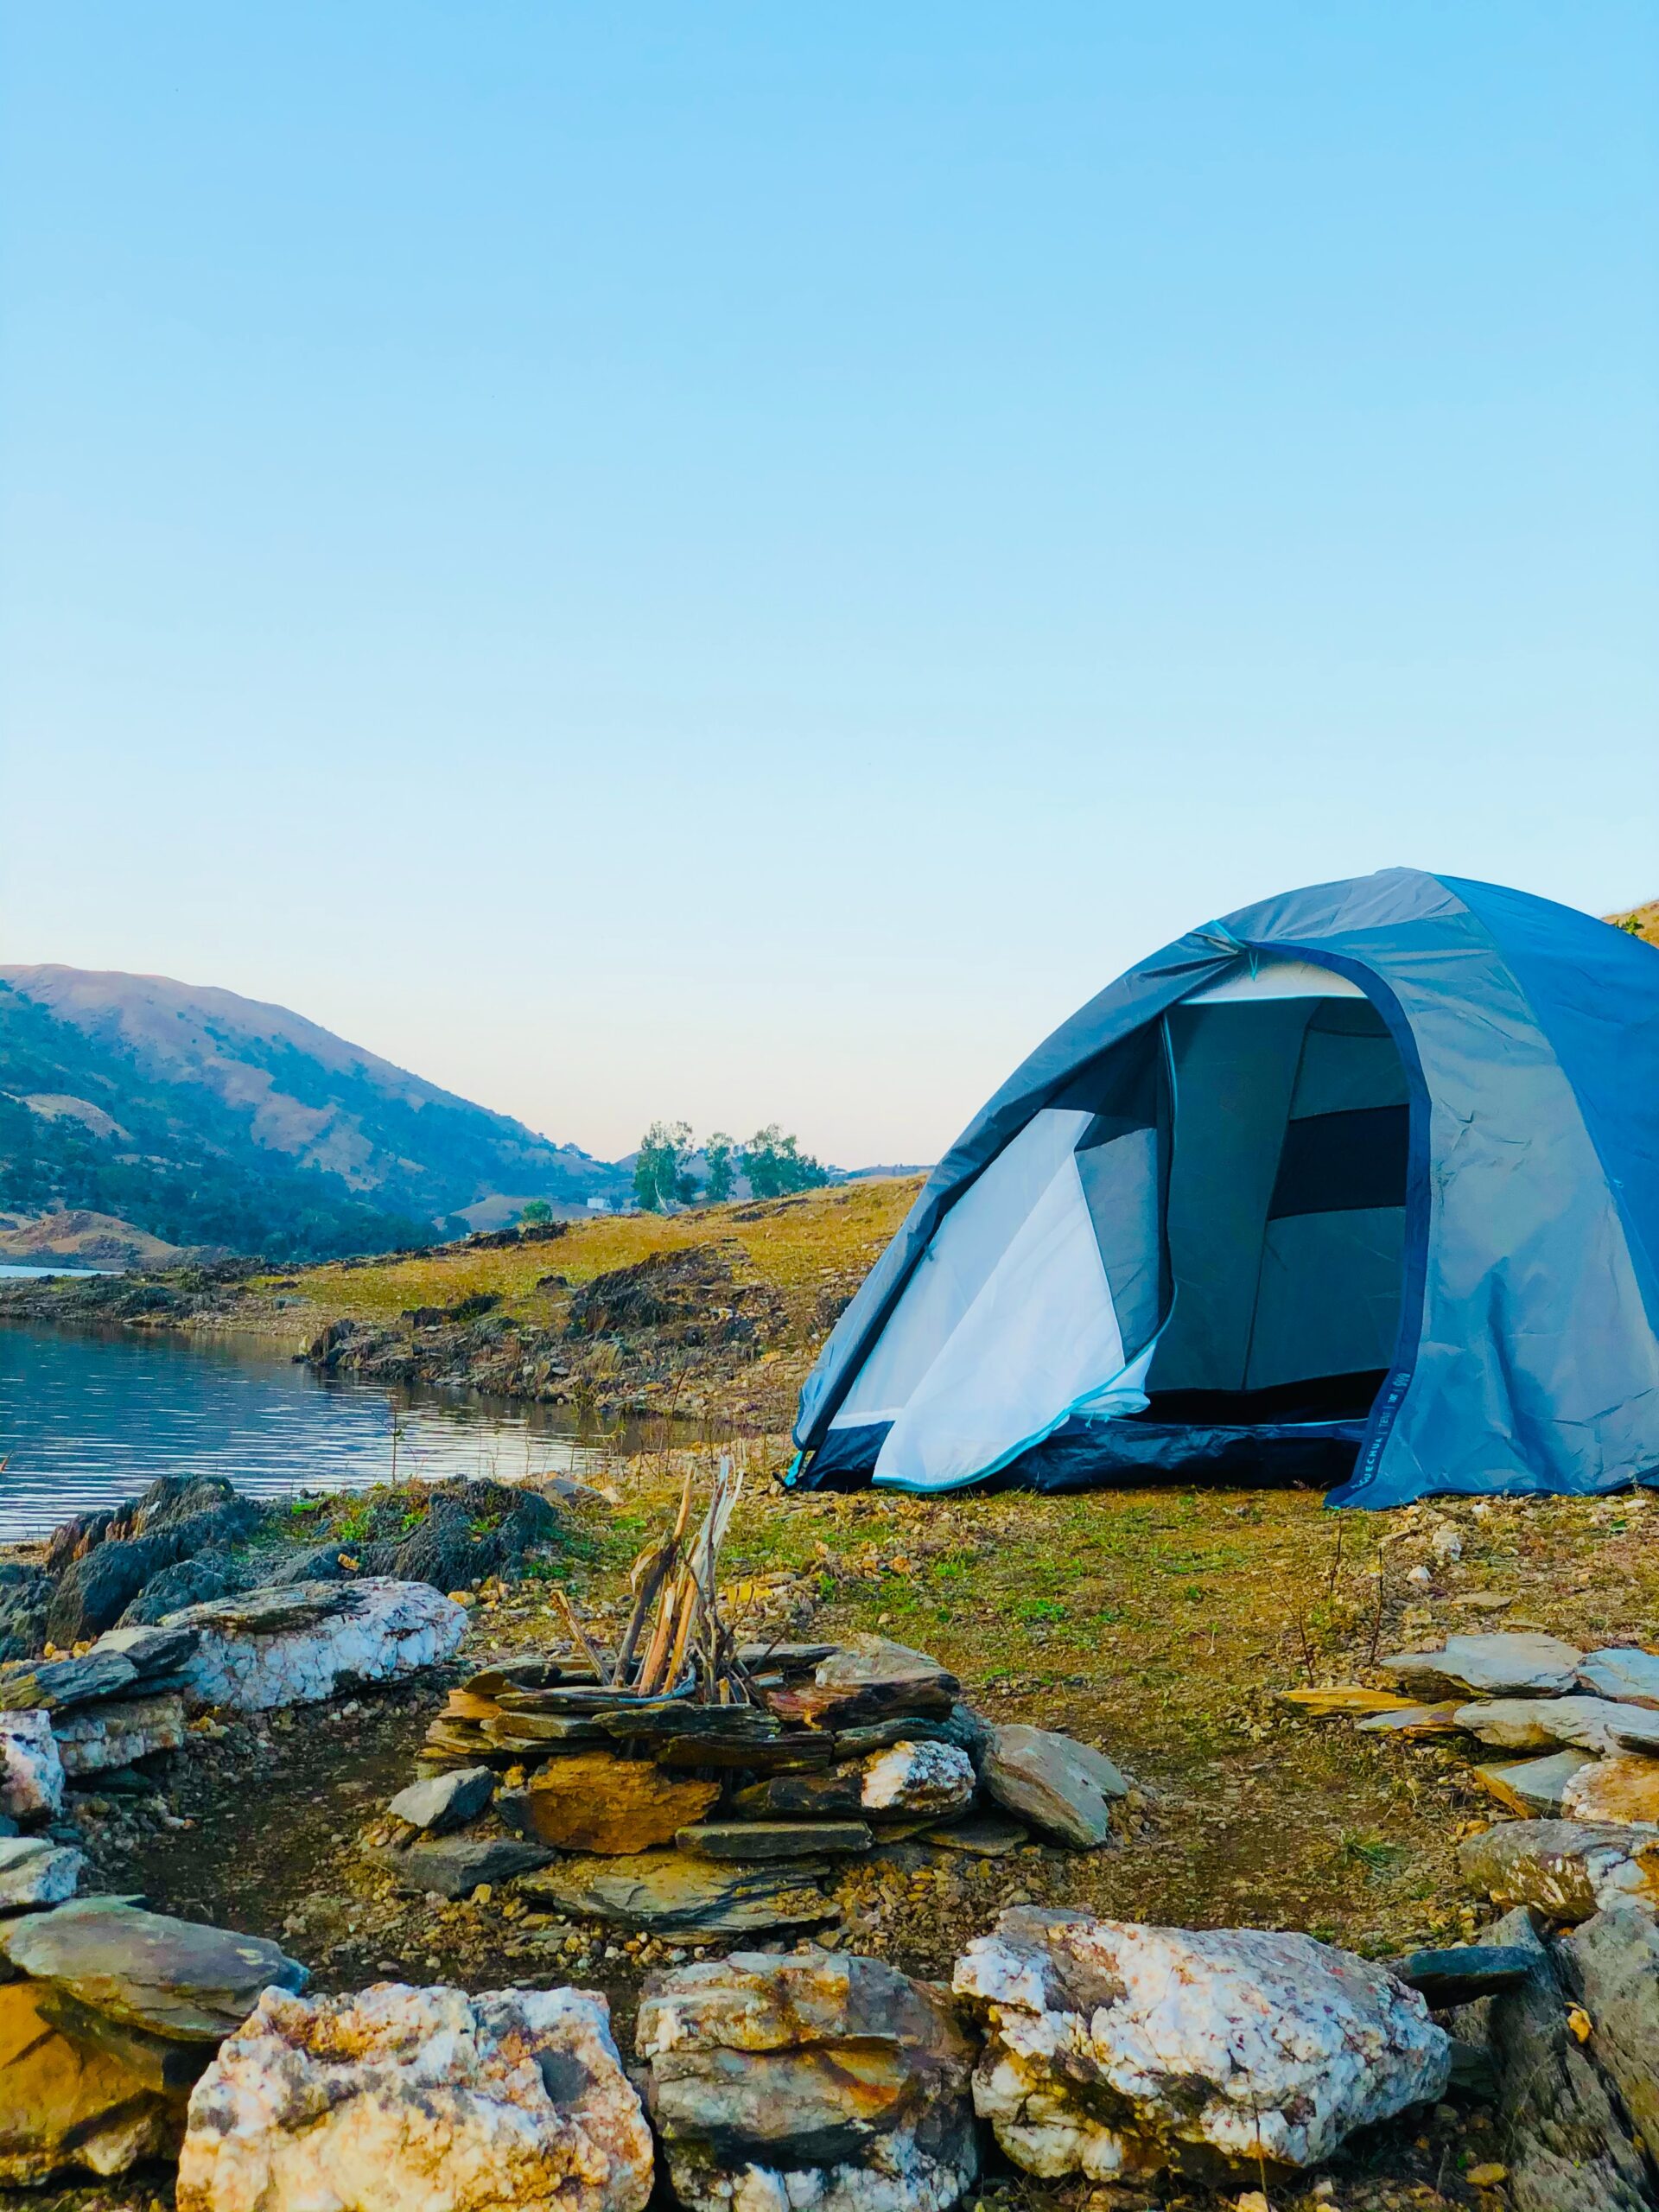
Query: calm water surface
[87,1419]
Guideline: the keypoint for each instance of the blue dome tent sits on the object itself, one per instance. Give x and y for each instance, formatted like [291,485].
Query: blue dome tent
[1359,1185]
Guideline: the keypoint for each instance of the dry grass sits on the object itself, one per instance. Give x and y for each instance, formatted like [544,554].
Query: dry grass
[803,1247]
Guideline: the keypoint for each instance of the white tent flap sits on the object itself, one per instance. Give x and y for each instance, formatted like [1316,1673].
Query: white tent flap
[1039,1337]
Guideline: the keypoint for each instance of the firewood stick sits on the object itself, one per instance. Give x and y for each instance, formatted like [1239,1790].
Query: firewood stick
[657,1650]
[583,1637]
[657,1563]
[687,1613]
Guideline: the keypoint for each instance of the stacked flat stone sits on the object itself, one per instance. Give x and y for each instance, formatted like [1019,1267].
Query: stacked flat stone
[123,1701]
[665,1815]
[1585,1726]
[108,2014]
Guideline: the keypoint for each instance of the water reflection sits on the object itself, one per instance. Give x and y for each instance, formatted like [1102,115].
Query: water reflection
[87,1419]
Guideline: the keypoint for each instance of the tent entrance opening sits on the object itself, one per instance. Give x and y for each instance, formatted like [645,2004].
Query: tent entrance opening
[1286,1209]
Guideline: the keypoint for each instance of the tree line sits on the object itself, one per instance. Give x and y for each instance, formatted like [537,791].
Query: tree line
[774,1164]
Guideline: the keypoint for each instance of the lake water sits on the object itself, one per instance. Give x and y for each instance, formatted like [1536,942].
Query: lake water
[88,1418]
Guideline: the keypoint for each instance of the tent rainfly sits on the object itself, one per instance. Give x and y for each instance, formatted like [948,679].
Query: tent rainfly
[1360,1186]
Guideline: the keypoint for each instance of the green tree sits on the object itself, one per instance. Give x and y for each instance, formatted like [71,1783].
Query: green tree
[776,1167]
[660,1180]
[720,1153]
[535,1213]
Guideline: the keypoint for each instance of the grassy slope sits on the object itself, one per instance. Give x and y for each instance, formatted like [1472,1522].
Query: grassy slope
[805,1255]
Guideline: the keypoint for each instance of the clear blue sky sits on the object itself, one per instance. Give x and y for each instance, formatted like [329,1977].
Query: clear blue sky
[740,561]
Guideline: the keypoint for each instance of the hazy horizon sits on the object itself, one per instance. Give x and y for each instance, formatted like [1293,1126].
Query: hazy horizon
[739,565]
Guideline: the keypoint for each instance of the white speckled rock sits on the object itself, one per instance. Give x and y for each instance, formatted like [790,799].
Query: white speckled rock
[31,1768]
[33,1870]
[297,1645]
[808,2084]
[1118,2049]
[95,1737]
[917,1779]
[399,2098]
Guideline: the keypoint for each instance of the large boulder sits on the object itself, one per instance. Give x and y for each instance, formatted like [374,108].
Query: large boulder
[1610,1965]
[69,2107]
[211,1574]
[297,1646]
[109,1567]
[1566,1869]
[398,2097]
[31,1767]
[169,1978]
[807,2084]
[1061,1786]
[1561,2132]
[1116,2049]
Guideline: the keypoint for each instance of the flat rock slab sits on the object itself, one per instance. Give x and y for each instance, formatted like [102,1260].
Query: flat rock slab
[66,2109]
[31,1767]
[908,1780]
[446,1801]
[878,1659]
[151,1651]
[395,2098]
[833,2083]
[772,1839]
[1624,1672]
[295,1646]
[1346,1699]
[1622,1788]
[838,1705]
[170,1976]
[1062,1788]
[982,1835]
[117,1731]
[1412,1720]
[1462,1974]
[56,1685]
[35,1871]
[1534,1788]
[1538,1724]
[1566,1869]
[599,1802]
[1116,2048]
[453,1866]
[1509,1663]
[664,1891]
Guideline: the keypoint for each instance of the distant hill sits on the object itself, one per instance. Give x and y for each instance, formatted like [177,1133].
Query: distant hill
[202,1118]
